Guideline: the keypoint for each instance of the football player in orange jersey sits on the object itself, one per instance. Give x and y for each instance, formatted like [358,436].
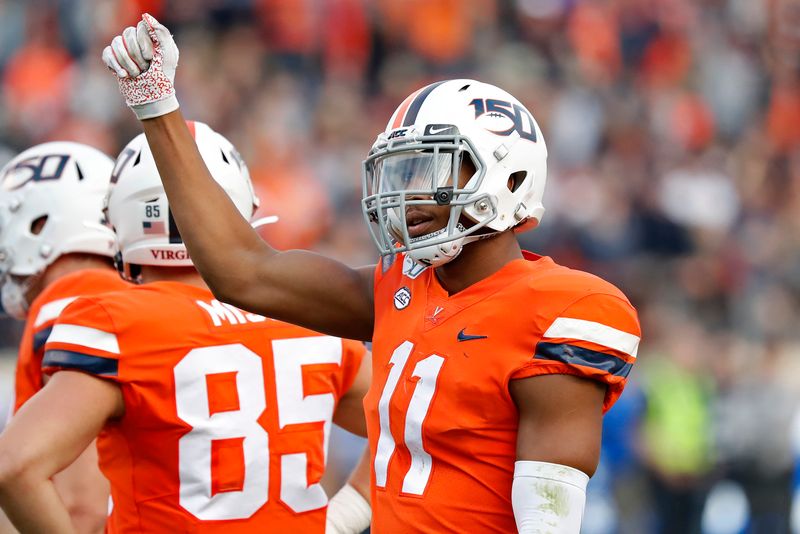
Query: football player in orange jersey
[54,247]
[492,366]
[210,419]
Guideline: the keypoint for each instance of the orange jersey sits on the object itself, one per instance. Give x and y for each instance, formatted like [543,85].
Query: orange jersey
[43,313]
[227,414]
[442,425]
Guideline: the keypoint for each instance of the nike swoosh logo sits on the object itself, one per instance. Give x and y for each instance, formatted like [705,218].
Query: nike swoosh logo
[466,337]
[437,131]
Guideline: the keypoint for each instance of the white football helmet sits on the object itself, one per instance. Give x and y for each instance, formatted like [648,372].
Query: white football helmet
[417,160]
[51,204]
[138,208]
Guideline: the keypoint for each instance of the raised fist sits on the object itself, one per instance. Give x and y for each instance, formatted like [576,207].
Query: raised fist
[144,59]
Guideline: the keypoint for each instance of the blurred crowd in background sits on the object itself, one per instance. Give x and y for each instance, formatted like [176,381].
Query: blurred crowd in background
[673,129]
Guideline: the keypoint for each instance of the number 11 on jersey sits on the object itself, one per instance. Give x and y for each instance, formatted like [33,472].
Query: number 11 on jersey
[427,371]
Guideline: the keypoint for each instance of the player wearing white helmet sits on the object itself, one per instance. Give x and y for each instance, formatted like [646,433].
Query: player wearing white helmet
[54,247]
[138,208]
[416,163]
[208,418]
[492,365]
[39,225]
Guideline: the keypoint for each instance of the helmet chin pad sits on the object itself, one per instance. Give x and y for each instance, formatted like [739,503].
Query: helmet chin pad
[437,255]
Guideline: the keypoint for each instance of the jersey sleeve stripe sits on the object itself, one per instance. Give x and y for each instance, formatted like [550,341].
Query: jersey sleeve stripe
[574,355]
[66,359]
[84,336]
[51,311]
[593,332]
[40,338]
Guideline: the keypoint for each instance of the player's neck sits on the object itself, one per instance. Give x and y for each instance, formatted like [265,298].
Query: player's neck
[477,261]
[183,275]
[68,264]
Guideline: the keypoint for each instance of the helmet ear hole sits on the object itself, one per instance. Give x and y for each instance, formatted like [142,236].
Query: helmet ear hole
[468,169]
[515,180]
[38,225]
[469,165]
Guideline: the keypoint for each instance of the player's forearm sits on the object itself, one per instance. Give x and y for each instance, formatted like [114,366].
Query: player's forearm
[84,491]
[33,506]
[359,478]
[349,511]
[349,412]
[532,496]
[238,266]
[295,286]
[45,437]
[223,246]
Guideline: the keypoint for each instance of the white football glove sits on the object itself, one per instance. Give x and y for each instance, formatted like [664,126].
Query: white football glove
[144,59]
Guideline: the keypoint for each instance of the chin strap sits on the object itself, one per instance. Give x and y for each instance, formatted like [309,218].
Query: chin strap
[13,296]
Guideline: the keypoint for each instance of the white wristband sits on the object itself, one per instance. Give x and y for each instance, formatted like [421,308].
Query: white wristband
[348,512]
[156,109]
[548,497]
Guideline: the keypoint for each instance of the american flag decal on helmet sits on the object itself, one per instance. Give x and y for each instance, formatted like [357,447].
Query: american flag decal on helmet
[154,227]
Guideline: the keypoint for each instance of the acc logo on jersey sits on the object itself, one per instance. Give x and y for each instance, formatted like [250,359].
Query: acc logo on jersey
[402,298]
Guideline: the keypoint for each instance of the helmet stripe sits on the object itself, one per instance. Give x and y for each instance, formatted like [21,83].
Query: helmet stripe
[401,111]
[413,110]
[174,234]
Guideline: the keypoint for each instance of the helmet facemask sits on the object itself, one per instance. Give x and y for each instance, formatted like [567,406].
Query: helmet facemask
[417,161]
[423,170]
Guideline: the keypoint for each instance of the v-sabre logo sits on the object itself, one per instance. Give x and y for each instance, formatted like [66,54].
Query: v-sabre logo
[466,337]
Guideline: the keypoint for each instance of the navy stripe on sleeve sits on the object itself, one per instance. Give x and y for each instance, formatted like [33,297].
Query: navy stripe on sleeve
[66,359]
[413,109]
[40,338]
[574,355]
